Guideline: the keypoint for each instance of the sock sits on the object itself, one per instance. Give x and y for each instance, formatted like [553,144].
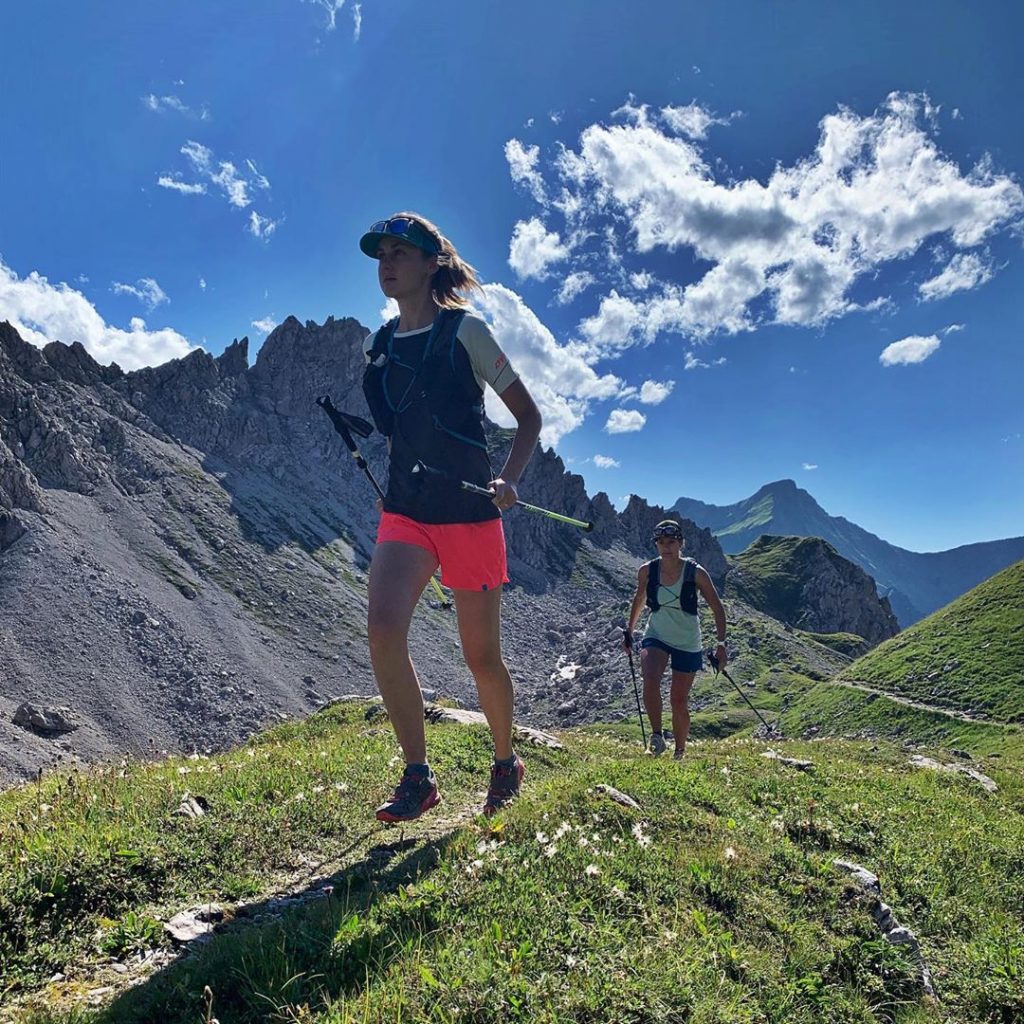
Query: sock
[507,762]
[417,768]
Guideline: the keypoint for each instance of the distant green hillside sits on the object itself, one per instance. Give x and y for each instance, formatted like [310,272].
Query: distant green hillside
[915,583]
[968,656]
[716,901]
[770,574]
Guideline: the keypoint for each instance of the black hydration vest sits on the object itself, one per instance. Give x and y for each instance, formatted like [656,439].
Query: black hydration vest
[687,592]
[424,396]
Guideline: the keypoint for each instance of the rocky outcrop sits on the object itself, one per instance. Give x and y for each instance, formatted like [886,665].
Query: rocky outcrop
[805,582]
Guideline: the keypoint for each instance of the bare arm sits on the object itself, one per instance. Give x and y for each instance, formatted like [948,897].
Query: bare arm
[519,402]
[639,598]
[707,588]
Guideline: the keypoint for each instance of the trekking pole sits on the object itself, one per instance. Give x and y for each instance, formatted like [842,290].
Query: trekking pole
[712,657]
[422,467]
[345,424]
[636,691]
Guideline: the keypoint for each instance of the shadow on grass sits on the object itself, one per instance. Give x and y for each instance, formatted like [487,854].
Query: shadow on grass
[307,949]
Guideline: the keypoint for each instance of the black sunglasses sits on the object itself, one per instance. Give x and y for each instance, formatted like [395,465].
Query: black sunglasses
[405,227]
[668,533]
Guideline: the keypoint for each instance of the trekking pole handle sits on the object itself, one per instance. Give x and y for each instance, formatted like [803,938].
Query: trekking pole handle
[486,492]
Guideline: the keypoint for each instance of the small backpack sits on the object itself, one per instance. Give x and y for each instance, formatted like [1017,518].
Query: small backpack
[687,592]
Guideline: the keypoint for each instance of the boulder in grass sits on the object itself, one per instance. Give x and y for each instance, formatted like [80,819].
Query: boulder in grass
[194,924]
[438,713]
[989,785]
[618,796]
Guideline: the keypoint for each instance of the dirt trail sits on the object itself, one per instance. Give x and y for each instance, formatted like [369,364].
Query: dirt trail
[961,716]
[387,855]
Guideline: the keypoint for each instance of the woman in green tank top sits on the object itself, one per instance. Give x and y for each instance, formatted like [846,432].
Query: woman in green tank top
[673,631]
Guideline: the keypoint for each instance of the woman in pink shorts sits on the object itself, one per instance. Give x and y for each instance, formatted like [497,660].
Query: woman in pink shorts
[424,382]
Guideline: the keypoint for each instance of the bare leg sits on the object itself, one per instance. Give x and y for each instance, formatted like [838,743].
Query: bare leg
[398,574]
[479,613]
[680,698]
[653,663]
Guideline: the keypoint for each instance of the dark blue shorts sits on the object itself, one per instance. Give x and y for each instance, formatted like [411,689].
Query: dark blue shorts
[682,661]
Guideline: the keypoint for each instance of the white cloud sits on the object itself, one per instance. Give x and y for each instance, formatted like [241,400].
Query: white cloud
[41,312]
[161,104]
[533,249]
[964,271]
[357,21]
[557,376]
[915,349]
[790,248]
[810,465]
[615,327]
[691,362]
[266,325]
[261,227]
[146,290]
[606,462]
[184,187]
[574,284]
[522,165]
[625,421]
[953,328]
[202,284]
[331,7]
[235,185]
[693,121]
[654,392]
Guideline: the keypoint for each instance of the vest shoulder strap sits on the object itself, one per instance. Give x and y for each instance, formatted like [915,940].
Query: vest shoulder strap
[653,582]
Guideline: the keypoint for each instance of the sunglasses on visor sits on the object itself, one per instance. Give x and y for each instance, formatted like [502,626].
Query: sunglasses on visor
[668,533]
[408,229]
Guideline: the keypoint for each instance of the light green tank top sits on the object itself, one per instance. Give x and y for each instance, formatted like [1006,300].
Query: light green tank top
[670,624]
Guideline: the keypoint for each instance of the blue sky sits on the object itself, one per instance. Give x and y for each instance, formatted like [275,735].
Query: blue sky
[723,243]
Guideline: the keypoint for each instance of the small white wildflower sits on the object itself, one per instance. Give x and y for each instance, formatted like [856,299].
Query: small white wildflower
[319,789]
[616,891]
[591,870]
[561,830]
[542,838]
[550,851]
[777,825]
[299,797]
[341,787]
[730,853]
[474,867]
[670,935]
[638,834]
[571,961]
[726,770]
[251,752]
[394,761]
[582,841]
[184,771]
[616,839]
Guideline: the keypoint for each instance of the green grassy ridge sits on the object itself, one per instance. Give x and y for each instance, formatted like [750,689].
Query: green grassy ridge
[840,711]
[771,574]
[966,656]
[758,514]
[717,901]
[92,849]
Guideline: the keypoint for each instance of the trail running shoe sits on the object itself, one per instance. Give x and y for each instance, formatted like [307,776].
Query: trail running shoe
[679,755]
[657,744]
[505,781]
[413,795]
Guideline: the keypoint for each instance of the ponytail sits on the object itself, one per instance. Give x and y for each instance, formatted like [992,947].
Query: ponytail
[453,275]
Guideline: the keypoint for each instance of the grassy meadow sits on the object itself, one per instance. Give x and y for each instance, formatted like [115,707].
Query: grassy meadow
[716,900]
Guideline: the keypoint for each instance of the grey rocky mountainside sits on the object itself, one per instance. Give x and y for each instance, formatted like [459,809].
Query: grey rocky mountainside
[183,552]
[916,583]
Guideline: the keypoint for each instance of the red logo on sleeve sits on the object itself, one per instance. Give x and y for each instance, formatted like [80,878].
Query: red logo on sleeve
[499,362]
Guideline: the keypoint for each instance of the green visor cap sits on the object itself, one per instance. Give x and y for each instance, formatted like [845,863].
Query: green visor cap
[404,229]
